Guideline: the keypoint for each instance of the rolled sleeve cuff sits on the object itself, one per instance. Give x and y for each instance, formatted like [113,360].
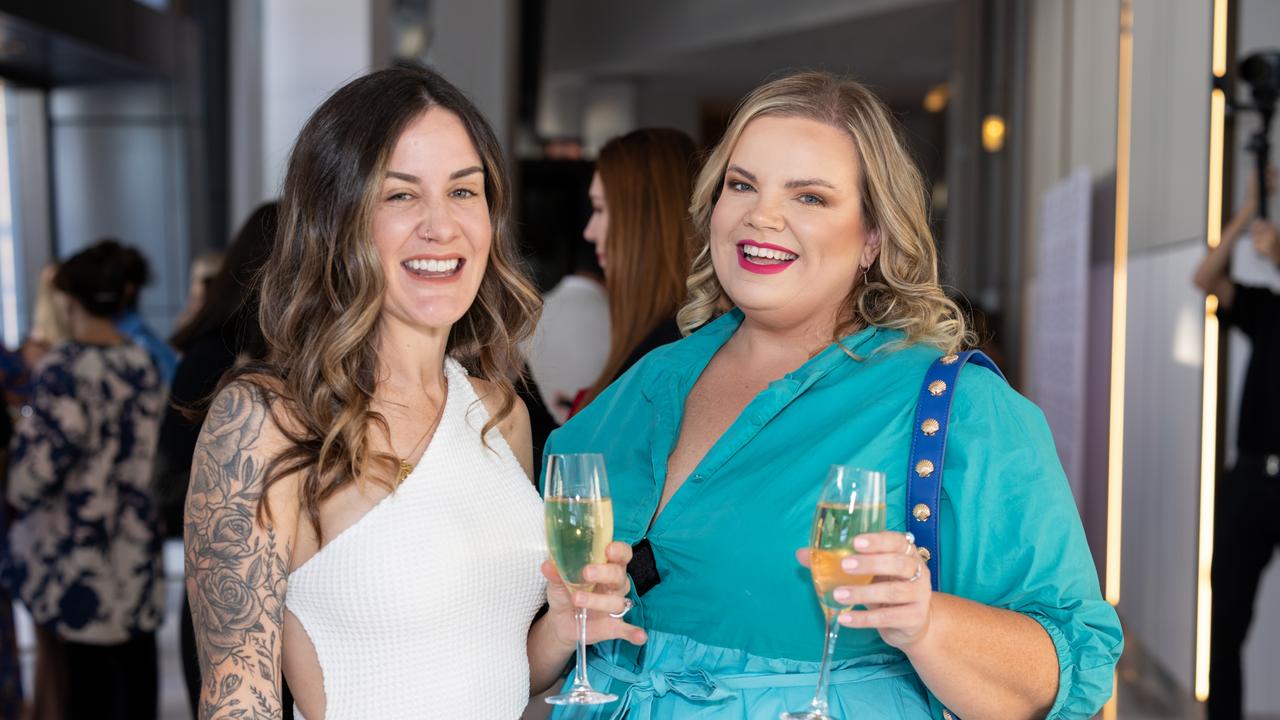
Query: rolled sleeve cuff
[1083,687]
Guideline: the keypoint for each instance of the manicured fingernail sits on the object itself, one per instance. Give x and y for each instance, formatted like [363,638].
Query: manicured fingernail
[588,573]
[861,542]
[846,619]
[842,595]
[849,564]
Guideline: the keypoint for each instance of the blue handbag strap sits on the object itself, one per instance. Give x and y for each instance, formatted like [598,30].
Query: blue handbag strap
[928,447]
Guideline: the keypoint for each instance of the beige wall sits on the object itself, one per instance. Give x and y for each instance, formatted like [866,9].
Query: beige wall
[1071,100]
[1072,123]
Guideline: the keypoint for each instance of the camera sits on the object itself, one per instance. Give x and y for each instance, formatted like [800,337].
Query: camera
[1261,71]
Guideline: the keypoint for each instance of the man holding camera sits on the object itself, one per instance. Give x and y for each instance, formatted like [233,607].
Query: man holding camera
[1245,531]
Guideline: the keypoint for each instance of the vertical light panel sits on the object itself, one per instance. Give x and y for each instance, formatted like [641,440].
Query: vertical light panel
[8,254]
[1208,471]
[1209,396]
[1119,305]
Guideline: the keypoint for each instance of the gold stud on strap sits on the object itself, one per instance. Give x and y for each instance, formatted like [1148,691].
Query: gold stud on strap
[937,387]
[921,512]
[924,554]
[924,468]
[950,359]
[930,427]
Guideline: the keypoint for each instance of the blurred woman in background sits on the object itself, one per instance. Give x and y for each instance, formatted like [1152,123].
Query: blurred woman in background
[84,548]
[204,269]
[641,232]
[48,328]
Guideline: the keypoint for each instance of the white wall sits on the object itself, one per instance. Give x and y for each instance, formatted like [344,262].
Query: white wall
[309,49]
[288,56]
[119,170]
[1170,131]
[1072,122]
[473,44]
[1071,100]
[29,191]
[244,109]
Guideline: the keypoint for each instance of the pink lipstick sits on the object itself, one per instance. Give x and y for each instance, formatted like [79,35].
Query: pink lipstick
[761,265]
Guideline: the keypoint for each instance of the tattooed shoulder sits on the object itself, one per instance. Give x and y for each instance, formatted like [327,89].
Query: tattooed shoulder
[236,559]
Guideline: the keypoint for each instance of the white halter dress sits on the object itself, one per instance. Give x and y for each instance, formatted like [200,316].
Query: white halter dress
[422,608]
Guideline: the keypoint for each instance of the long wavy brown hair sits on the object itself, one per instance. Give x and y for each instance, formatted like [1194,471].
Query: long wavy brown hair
[647,176]
[901,288]
[322,287]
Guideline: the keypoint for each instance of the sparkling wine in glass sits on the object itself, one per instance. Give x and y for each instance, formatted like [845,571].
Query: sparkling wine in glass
[579,521]
[852,503]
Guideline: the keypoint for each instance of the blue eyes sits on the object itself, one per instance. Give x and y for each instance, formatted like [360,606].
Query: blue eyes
[463,193]
[803,199]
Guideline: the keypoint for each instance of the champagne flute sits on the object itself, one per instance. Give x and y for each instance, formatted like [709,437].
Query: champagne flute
[852,503]
[579,519]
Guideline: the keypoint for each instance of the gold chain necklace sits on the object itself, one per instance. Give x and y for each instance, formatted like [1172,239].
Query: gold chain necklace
[405,467]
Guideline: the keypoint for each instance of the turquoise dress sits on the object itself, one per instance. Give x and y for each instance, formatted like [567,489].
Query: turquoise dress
[734,628]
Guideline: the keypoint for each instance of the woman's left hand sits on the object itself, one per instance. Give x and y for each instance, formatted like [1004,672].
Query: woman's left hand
[897,601]
[606,605]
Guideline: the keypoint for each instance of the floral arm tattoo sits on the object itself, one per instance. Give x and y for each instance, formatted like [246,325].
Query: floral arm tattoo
[236,567]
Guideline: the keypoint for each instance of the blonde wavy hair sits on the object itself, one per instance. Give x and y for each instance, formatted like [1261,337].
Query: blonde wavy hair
[901,289]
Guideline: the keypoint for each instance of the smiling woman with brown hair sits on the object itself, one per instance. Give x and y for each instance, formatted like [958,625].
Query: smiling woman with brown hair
[376,465]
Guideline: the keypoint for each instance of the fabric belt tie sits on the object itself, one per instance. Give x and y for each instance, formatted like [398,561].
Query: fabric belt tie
[702,686]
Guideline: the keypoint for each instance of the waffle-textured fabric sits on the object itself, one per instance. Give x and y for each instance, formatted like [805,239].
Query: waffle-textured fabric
[422,608]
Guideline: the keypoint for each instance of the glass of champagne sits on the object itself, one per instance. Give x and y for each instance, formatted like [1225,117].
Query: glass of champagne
[852,503]
[579,519]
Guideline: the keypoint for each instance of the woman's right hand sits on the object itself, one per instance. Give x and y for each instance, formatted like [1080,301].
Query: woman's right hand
[607,601]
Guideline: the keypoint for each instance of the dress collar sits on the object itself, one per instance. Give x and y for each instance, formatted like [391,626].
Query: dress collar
[686,360]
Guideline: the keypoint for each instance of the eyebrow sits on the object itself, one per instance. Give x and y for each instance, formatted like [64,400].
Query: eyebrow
[466,171]
[452,176]
[790,184]
[808,182]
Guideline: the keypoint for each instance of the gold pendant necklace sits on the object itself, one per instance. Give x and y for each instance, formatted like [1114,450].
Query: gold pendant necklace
[405,467]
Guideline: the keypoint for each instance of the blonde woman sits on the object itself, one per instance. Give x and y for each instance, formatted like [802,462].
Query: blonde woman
[813,228]
[360,509]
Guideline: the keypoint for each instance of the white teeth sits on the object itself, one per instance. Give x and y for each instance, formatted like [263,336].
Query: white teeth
[433,266]
[760,252]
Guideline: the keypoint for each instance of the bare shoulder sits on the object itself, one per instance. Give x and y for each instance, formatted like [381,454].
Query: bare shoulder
[515,427]
[489,394]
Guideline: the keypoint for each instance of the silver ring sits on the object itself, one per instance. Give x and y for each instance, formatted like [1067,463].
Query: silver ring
[919,569]
[626,608]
